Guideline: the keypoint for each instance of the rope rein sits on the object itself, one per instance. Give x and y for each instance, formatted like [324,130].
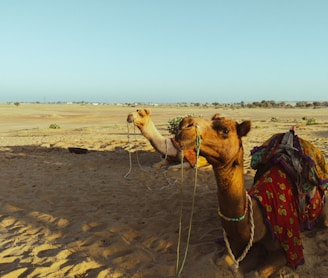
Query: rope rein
[179,270]
[168,180]
[235,265]
[180,215]
[167,149]
[130,157]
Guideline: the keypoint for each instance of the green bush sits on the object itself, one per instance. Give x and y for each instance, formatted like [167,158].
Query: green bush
[173,124]
[311,121]
[54,126]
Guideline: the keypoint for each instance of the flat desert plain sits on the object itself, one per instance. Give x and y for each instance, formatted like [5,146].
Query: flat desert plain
[108,213]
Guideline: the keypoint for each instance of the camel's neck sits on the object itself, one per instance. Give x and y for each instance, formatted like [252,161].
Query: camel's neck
[232,196]
[159,142]
[231,190]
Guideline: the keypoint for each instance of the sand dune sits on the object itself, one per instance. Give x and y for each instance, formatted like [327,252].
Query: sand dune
[108,213]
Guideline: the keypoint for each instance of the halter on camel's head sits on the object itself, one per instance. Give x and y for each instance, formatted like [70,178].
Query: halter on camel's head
[220,137]
[139,118]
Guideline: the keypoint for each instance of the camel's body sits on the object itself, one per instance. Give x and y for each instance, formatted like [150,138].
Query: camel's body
[221,145]
[142,120]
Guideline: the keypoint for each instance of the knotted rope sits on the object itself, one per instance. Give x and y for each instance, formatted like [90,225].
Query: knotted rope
[236,262]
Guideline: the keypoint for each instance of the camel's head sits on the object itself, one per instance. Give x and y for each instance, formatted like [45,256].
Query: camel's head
[139,118]
[220,138]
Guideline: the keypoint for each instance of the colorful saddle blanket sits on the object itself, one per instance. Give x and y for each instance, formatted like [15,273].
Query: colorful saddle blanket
[314,170]
[291,178]
[274,192]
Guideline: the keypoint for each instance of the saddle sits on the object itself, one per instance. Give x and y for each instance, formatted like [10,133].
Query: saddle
[289,184]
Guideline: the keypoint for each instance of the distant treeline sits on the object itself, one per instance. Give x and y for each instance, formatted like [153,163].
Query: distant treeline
[242,104]
[282,104]
[263,104]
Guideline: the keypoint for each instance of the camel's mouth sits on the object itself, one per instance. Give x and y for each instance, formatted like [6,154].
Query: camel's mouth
[186,140]
[187,133]
[130,118]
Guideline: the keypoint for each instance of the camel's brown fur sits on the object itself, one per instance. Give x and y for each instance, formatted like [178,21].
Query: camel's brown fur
[221,145]
[141,118]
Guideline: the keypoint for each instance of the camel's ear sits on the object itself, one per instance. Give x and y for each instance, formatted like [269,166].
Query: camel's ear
[147,111]
[243,128]
[215,116]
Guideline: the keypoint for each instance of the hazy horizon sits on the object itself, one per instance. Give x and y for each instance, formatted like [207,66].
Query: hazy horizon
[293,102]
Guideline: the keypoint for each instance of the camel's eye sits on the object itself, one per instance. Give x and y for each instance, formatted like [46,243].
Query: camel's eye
[225,131]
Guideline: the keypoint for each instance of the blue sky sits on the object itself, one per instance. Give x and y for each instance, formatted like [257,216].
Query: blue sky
[160,51]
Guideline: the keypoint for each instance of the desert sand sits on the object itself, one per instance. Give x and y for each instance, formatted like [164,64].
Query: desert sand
[108,213]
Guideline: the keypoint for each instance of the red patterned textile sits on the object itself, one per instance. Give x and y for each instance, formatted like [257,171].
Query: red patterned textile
[274,191]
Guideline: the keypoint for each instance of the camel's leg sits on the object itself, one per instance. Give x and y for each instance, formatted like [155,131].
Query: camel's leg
[274,262]
[161,164]
[227,263]
[184,165]
[254,258]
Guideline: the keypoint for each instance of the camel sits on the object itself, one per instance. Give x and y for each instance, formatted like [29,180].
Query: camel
[243,219]
[168,148]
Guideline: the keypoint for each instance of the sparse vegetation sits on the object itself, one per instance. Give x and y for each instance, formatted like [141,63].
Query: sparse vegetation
[173,124]
[311,121]
[54,126]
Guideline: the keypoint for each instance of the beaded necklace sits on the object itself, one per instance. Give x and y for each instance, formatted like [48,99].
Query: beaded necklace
[235,219]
